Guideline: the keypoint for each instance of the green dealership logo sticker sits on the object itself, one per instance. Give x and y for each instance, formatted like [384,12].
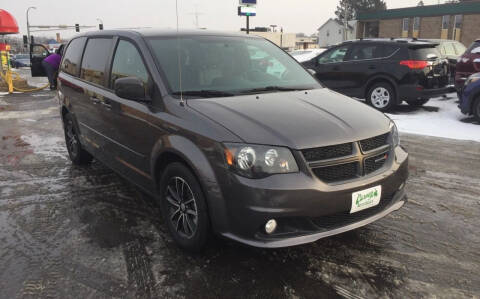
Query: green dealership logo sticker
[366,199]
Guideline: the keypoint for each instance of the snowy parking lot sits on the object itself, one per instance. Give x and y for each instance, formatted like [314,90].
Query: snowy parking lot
[440,117]
[84,232]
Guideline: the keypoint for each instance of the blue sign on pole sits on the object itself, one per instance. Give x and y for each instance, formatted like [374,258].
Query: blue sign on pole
[248,2]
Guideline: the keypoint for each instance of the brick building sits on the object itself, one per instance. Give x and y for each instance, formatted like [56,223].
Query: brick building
[458,21]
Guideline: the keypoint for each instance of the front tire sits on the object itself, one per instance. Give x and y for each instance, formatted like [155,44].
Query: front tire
[381,96]
[77,154]
[418,103]
[184,208]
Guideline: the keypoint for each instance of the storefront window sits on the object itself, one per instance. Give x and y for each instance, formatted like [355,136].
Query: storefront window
[458,21]
[445,22]
[406,22]
[416,24]
[371,29]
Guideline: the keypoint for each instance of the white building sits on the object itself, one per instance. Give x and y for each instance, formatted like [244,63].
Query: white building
[332,32]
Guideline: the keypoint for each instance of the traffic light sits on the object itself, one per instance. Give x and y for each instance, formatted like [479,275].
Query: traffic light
[25,41]
[100,26]
[32,40]
[77,28]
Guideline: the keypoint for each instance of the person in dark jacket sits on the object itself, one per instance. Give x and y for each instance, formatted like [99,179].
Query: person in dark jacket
[51,64]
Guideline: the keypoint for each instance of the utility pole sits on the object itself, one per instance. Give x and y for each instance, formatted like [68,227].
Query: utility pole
[28,25]
[248,24]
[345,21]
[197,14]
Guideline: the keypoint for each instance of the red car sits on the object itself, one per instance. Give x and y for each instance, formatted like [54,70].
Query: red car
[468,64]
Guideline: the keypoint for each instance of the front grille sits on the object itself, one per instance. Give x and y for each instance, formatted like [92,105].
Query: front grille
[328,152]
[348,161]
[345,218]
[337,172]
[375,163]
[374,142]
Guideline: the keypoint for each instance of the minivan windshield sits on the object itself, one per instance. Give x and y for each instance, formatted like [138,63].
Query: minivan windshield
[216,66]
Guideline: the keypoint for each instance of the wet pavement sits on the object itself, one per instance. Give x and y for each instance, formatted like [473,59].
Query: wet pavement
[83,232]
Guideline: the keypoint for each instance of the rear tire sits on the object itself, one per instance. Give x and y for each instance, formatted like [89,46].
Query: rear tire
[78,155]
[418,103]
[476,109]
[381,96]
[184,208]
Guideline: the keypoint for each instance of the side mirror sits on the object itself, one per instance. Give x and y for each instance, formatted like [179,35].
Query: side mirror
[312,72]
[130,88]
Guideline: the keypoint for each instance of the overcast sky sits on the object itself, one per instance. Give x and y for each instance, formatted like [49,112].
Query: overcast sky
[293,15]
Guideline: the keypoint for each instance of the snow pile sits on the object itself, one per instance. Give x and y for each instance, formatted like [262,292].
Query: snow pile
[440,117]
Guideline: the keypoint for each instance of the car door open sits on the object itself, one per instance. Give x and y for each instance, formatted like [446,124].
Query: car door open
[37,54]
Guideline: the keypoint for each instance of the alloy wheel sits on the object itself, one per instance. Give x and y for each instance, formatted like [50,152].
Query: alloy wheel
[380,97]
[182,207]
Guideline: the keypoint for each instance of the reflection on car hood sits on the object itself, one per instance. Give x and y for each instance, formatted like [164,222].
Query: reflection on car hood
[296,119]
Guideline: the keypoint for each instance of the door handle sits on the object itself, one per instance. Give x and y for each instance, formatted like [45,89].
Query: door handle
[336,68]
[371,67]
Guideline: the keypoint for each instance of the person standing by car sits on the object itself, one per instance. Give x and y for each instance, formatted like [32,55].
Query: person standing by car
[51,64]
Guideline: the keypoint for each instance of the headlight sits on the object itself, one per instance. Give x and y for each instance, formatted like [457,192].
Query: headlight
[394,133]
[259,161]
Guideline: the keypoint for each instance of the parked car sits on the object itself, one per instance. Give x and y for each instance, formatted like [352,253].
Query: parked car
[305,55]
[451,50]
[467,65]
[223,142]
[20,60]
[385,72]
[470,97]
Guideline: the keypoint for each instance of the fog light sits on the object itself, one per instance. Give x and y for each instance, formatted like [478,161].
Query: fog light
[270,226]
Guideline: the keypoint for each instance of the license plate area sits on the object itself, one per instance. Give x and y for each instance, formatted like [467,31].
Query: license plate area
[365,199]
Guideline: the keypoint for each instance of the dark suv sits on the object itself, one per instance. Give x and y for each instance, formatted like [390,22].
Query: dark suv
[230,134]
[385,72]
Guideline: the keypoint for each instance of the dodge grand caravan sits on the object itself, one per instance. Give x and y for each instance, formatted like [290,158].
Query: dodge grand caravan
[230,134]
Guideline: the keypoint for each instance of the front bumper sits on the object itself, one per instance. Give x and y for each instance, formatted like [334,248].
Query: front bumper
[305,208]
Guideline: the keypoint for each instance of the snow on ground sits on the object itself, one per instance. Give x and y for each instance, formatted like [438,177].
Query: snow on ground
[440,117]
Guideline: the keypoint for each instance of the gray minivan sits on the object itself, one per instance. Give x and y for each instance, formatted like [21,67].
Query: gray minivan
[230,134]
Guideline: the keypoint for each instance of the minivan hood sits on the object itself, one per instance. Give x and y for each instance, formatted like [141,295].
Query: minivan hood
[298,119]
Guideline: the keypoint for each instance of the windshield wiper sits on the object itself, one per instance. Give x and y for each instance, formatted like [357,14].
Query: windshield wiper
[272,88]
[205,93]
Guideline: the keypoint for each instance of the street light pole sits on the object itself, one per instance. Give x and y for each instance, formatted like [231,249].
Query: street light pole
[28,24]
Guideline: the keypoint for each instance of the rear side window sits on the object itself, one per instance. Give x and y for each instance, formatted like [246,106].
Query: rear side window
[95,60]
[362,52]
[128,63]
[73,54]
[424,53]
[389,50]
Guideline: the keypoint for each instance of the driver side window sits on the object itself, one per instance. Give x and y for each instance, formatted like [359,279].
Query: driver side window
[334,55]
[128,63]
